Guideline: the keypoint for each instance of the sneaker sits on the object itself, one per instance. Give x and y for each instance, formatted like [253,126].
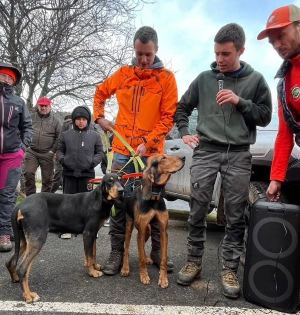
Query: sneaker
[189,272]
[107,222]
[155,256]
[5,243]
[114,263]
[230,283]
[66,236]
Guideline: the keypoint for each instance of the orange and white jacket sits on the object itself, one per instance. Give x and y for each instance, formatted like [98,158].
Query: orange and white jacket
[147,101]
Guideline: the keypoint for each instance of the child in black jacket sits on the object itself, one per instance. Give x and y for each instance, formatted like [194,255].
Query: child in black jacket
[79,151]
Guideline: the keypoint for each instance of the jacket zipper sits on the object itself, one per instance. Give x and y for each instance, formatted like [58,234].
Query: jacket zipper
[135,105]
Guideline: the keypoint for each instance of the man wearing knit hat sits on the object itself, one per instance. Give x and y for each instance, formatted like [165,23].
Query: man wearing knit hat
[46,129]
[283,31]
[15,136]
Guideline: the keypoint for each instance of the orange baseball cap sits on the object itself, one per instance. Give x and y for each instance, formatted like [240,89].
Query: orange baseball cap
[280,17]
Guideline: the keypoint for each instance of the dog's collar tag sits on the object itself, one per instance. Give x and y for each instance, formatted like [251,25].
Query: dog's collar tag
[155,196]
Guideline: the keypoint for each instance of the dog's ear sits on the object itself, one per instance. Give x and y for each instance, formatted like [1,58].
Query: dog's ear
[147,183]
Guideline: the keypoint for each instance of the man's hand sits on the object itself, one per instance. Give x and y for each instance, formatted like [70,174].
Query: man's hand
[191,140]
[140,150]
[104,124]
[225,96]
[273,191]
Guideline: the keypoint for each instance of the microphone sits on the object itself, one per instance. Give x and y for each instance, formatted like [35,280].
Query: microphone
[220,78]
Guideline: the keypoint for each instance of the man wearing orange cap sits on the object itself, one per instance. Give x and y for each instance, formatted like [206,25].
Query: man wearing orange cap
[15,136]
[283,31]
[46,129]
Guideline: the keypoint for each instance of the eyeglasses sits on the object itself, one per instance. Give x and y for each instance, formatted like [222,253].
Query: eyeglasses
[7,78]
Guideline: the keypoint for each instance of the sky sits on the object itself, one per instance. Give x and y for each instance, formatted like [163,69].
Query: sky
[186,30]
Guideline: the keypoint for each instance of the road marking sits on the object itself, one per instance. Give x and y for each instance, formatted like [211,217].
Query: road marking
[124,309]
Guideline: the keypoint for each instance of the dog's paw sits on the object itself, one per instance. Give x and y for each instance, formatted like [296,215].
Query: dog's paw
[149,261]
[95,273]
[98,267]
[32,297]
[163,282]
[124,272]
[145,278]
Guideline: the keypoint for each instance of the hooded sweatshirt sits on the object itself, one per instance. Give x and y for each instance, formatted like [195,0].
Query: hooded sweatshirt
[218,126]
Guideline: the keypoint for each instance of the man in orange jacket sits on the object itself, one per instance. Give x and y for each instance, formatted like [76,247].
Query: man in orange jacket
[147,95]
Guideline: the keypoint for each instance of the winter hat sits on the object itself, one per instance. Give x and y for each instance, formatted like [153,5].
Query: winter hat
[9,72]
[81,111]
[280,17]
[43,101]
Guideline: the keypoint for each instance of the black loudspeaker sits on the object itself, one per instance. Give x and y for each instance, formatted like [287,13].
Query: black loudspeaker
[272,269]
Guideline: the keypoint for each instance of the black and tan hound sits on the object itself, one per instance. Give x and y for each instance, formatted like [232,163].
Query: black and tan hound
[82,213]
[145,204]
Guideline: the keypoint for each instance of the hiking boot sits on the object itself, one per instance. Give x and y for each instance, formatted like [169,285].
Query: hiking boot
[156,256]
[230,283]
[114,263]
[5,243]
[189,272]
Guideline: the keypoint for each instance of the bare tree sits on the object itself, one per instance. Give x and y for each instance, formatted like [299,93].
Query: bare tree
[65,47]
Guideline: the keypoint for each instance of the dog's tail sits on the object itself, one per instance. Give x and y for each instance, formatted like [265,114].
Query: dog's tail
[17,229]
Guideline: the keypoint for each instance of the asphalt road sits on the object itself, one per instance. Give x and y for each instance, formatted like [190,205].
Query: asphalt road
[62,282]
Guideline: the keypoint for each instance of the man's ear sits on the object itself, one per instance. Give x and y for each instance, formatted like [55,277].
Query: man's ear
[241,51]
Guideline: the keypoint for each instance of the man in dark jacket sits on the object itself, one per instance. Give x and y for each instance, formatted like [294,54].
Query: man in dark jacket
[15,136]
[227,120]
[46,129]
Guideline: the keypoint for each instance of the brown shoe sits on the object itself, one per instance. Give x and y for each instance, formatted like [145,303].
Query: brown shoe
[230,283]
[189,272]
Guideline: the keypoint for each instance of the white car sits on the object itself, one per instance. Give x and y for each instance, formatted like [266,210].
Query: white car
[178,187]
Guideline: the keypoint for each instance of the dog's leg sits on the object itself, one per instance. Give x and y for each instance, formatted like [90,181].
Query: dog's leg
[32,249]
[89,244]
[142,226]
[148,234]
[96,266]
[163,223]
[128,232]
[10,264]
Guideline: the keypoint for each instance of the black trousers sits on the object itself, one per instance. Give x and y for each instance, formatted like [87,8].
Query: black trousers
[74,185]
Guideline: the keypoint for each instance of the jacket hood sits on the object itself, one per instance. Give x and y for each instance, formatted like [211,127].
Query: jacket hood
[157,63]
[247,69]
[81,111]
[16,71]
